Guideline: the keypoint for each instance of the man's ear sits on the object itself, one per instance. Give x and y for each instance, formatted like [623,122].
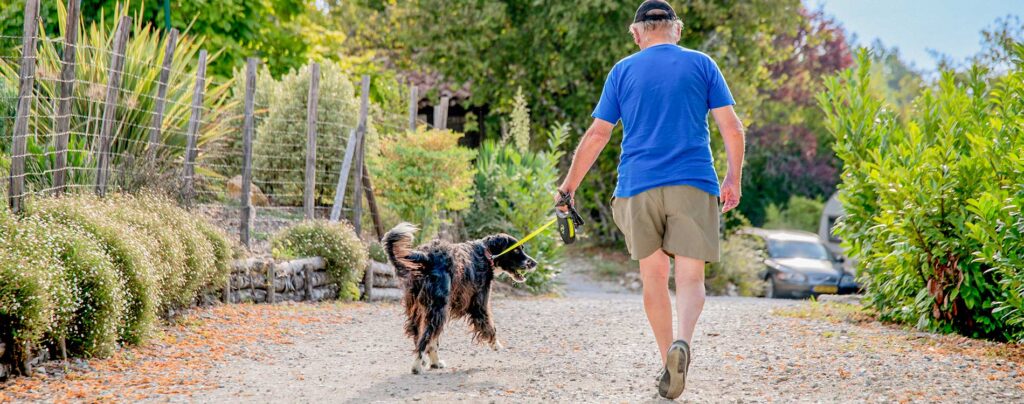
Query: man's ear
[636,35]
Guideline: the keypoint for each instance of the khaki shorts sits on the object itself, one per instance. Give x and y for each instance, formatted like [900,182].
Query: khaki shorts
[680,219]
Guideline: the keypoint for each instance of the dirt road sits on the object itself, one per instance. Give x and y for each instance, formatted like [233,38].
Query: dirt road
[591,345]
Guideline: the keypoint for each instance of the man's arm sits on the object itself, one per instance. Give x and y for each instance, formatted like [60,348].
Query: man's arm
[735,143]
[586,154]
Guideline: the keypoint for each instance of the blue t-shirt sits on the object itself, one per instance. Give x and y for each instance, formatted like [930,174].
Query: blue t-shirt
[663,95]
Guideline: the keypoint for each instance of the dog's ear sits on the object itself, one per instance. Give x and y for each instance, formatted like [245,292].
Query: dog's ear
[498,242]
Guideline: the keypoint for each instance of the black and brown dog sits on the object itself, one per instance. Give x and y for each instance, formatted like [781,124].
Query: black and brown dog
[447,281]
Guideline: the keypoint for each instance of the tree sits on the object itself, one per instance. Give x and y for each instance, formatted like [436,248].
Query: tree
[274,30]
[789,150]
[561,53]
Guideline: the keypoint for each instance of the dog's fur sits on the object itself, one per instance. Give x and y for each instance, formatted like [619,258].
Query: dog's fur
[446,281]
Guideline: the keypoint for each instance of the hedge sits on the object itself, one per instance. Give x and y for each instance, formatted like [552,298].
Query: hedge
[94,273]
[345,254]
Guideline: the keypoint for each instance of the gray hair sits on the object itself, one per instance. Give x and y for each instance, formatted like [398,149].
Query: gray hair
[668,27]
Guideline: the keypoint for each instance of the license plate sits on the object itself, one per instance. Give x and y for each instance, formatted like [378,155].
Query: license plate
[826,289]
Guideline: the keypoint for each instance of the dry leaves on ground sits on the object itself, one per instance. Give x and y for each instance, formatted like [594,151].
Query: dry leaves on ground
[178,357]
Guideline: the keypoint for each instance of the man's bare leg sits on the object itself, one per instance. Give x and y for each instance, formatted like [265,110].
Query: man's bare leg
[654,274]
[689,296]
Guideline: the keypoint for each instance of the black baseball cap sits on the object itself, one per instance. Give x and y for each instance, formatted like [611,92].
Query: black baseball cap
[648,11]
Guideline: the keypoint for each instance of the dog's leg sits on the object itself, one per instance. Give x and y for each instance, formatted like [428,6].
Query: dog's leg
[436,315]
[480,318]
[435,358]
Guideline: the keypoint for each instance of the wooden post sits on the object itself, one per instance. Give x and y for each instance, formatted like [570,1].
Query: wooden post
[414,109]
[351,147]
[245,224]
[67,87]
[155,131]
[371,200]
[188,174]
[271,289]
[368,283]
[346,166]
[357,200]
[226,298]
[308,272]
[311,117]
[110,104]
[26,76]
[444,113]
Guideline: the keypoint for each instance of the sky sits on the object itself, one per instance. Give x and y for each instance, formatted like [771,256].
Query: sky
[951,27]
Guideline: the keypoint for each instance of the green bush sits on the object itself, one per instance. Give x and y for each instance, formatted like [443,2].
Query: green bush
[28,281]
[737,272]
[800,213]
[514,191]
[345,255]
[89,317]
[933,200]
[279,149]
[420,174]
[377,253]
[82,270]
[122,243]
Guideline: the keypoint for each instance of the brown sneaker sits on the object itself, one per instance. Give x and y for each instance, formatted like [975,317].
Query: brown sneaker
[673,378]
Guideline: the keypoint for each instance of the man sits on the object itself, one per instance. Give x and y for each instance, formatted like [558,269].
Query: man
[666,200]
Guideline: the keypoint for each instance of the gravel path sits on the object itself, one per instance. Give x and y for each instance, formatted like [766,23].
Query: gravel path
[594,346]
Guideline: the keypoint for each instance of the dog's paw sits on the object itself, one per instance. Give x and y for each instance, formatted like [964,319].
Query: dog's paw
[438,365]
[497,346]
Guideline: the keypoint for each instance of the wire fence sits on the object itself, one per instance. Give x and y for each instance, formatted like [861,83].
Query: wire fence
[113,120]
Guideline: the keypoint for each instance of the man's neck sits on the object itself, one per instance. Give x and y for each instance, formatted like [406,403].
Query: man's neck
[655,42]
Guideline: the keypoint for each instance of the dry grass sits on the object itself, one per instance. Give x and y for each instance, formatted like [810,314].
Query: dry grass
[176,361]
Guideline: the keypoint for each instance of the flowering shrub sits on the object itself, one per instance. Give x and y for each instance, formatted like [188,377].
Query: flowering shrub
[92,272]
[337,243]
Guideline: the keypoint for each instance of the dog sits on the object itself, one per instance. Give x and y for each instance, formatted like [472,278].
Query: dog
[447,281]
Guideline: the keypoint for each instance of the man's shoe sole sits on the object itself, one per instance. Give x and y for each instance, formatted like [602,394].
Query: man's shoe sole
[678,361]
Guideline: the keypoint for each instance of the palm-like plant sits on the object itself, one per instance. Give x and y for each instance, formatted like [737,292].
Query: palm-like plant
[135,108]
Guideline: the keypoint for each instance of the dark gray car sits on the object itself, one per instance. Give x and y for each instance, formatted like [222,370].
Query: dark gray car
[798,265]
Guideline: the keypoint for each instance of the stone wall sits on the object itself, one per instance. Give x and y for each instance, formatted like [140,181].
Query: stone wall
[265,280]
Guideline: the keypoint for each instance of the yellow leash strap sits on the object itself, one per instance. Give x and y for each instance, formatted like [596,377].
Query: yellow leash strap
[528,237]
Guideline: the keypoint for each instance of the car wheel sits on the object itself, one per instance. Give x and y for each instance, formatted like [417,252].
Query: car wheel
[769,288]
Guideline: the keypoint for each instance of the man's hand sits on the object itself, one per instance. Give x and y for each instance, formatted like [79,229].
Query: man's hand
[730,193]
[558,199]
[591,144]
[735,143]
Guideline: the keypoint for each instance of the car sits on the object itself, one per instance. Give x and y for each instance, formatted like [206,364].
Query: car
[799,265]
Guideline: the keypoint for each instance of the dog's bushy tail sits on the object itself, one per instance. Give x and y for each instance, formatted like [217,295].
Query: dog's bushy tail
[398,244]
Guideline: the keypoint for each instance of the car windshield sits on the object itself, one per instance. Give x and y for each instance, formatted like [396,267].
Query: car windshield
[797,249]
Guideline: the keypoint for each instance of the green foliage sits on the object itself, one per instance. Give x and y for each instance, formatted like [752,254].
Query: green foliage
[549,51]
[514,191]
[336,243]
[28,282]
[281,32]
[519,123]
[420,174]
[279,149]
[81,269]
[90,301]
[933,199]
[377,253]
[737,272]
[134,114]
[799,214]
[130,256]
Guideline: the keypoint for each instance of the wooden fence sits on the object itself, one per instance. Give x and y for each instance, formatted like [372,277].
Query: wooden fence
[353,161]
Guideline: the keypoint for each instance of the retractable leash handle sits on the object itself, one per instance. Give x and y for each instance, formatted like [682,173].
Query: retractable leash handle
[569,222]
